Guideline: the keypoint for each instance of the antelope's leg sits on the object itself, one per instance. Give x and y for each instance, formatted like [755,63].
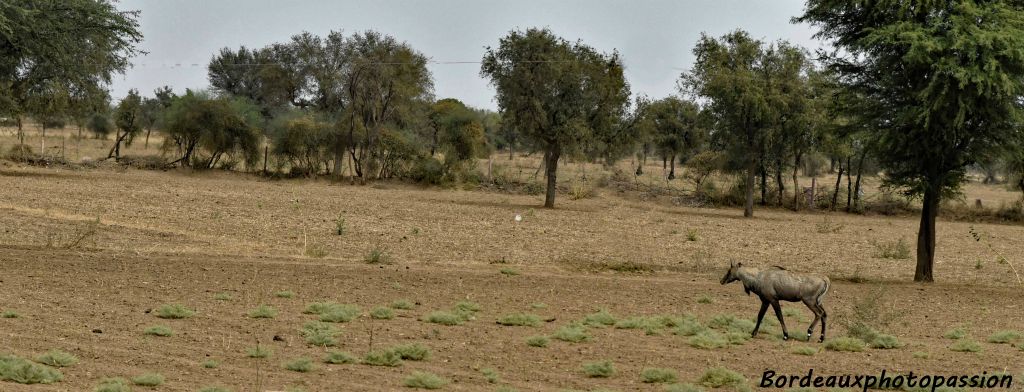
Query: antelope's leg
[778,314]
[817,315]
[824,315]
[760,315]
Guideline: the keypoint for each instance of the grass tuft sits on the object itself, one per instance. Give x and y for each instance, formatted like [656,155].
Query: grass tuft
[9,314]
[1004,337]
[222,297]
[898,249]
[301,365]
[210,364]
[684,387]
[258,352]
[115,384]
[956,333]
[402,304]
[490,374]
[707,340]
[214,389]
[600,318]
[520,320]
[600,369]
[263,311]
[509,272]
[444,318]
[57,358]
[340,313]
[412,352]
[382,313]
[22,371]
[718,377]
[284,294]
[159,330]
[424,380]
[320,334]
[658,375]
[382,358]
[339,358]
[804,350]
[377,256]
[965,346]
[920,355]
[537,341]
[148,380]
[845,344]
[174,311]
[704,299]
[572,333]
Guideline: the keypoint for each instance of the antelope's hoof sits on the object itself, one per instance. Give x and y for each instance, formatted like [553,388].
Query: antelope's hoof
[785,337]
[821,339]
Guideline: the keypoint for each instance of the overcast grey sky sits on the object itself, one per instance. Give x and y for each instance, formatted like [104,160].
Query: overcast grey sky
[655,37]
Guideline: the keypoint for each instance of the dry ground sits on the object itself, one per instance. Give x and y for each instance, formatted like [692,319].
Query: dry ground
[181,237]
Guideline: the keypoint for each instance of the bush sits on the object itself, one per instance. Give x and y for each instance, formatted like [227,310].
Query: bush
[601,369]
[382,313]
[116,384]
[601,318]
[1004,337]
[258,352]
[301,365]
[689,326]
[21,371]
[382,358]
[9,314]
[263,311]
[402,304]
[964,345]
[320,334]
[412,352]
[444,318]
[148,380]
[956,333]
[520,319]
[337,313]
[572,333]
[845,344]
[338,357]
[158,330]
[427,170]
[892,250]
[57,358]
[174,311]
[424,380]
[707,340]
[657,375]
[537,341]
[718,377]
[804,350]
[490,374]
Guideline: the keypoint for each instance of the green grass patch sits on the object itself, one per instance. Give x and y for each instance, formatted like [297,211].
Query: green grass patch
[223,297]
[284,294]
[9,314]
[263,311]
[444,318]
[804,350]
[490,375]
[537,341]
[402,304]
[688,326]
[599,369]
[509,272]
[377,256]
[883,341]
[382,313]
[845,343]
[382,358]
[424,380]
[600,318]
[339,313]
[339,358]
[148,380]
[718,377]
[704,299]
[730,323]
[115,384]
[572,333]
[520,320]
[159,330]
[22,371]
[57,358]
[301,365]
[658,375]
[210,364]
[965,346]
[320,334]
[956,333]
[684,387]
[174,311]
[707,340]
[259,352]
[920,355]
[214,389]
[412,352]
[1004,337]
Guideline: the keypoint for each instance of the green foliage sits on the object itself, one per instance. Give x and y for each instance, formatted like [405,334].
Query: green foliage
[338,313]
[382,313]
[537,341]
[572,333]
[684,387]
[730,323]
[412,352]
[174,311]
[197,123]
[284,294]
[259,352]
[689,326]
[601,318]
[804,350]
[490,374]
[9,314]
[965,345]
[600,369]
[658,375]
[57,358]
[21,371]
[377,256]
[402,304]
[509,272]
[892,249]
[307,143]
[263,311]
[148,380]
[301,365]
[845,344]
[718,377]
[210,364]
[921,355]
[320,334]
[214,389]
[444,318]
[520,319]
[424,380]
[382,358]
[1004,337]
[338,357]
[115,384]
[339,225]
[222,296]
[159,330]
[707,340]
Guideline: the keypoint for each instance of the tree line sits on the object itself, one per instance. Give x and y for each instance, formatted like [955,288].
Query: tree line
[918,91]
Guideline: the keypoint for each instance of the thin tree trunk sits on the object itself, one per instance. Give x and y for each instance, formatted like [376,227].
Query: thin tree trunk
[148,130]
[672,168]
[835,193]
[856,186]
[748,207]
[849,184]
[552,172]
[796,183]
[339,157]
[764,185]
[511,150]
[778,181]
[926,236]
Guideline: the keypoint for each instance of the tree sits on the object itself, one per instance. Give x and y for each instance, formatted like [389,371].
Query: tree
[946,80]
[61,46]
[555,93]
[198,123]
[731,73]
[677,129]
[128,119]
[100,125]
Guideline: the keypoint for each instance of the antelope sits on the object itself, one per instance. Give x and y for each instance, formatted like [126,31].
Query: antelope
[778,284]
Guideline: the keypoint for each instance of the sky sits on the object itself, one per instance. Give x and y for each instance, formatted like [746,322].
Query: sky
[654,37]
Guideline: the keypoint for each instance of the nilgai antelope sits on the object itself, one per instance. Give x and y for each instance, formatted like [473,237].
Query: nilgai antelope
[777,284]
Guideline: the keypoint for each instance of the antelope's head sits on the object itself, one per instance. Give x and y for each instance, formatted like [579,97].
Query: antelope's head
[730,275]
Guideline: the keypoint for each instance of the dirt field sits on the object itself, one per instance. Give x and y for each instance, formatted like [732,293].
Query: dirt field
[181,237]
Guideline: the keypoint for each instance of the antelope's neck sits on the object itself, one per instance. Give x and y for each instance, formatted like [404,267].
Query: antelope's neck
[748,276]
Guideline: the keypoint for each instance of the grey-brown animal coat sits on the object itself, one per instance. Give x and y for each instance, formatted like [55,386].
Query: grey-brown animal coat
[777,284]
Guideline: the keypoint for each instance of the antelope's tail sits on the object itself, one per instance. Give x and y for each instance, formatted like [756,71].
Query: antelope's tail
[817,300]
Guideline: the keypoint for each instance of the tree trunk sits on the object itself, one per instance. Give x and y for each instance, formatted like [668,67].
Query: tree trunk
[748,207]
[642,160]
[672,168]
[796,183]
[778,181]
[42,143]
[835,193]
[926,235]
[148,130]
[21,132]
[856,186]
[764,185]
[339,157]
[849,184]
[551,172]
[511,150]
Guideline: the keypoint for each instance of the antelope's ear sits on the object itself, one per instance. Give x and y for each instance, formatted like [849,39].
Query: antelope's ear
[740,264]
[732,263]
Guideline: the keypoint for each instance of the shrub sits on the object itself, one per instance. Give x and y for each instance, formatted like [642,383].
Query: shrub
[718,377]
[21,371]
[263,311]
[412,352]
[338,358]
[258,352]
[148,380]
[377,256]
[339,225]
[318,307]
[222,297]
[301,365]
[382,358]
[845,344]
[57,358]
[424,380]
[116,384]
[892,250]
[1004,337]
[490,374]
[731,323]
[339,313]
[683,388]
[921,355]
[689,326]
[520,319]
[707,340]
[158,330]
[509,272]
[657,375]
[466,307]
[210,364]
[444,318]
[956,333]
[174,311]
[884,341]
[964,345]
[704,299]
[320,334]
[601,369]
[402,304]
[691,235]
[804,350]
[601,318]
[284,294]
[382,313]
[9,314]
[537,341]
[572,333]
